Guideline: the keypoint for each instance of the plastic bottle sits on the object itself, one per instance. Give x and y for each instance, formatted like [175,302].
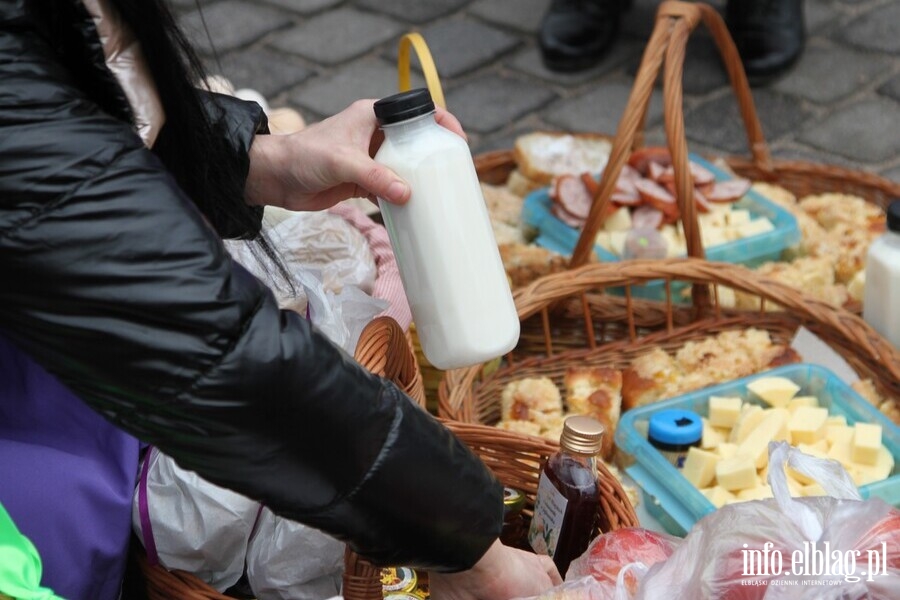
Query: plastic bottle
[449,262]
[568,496]
[881,301]
[673,432]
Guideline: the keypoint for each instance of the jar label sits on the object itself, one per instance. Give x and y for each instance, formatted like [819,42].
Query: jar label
[549,512]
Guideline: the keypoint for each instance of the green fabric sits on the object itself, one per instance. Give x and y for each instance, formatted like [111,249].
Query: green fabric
[20,565]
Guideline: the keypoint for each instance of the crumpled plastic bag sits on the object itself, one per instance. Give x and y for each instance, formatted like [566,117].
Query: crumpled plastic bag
[332,294]
[290,561]
[325,242]
[583,588]
[341,317]
[768,548]
[190,524]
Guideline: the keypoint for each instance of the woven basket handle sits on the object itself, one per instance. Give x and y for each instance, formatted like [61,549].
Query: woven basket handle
[667,44]
[416,42]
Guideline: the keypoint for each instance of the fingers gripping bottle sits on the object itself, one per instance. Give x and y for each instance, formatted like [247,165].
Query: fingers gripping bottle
[449,262]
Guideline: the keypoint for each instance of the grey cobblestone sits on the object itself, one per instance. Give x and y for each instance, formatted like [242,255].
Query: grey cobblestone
[866,131]
[891,88]
[413,11]
[335,37]
[526,16]
[265,71]
[828,74]
[305,7]
[600,109]
[461,46]
[893,174]
[367,78]
[490,102]
[878,29]
[838,105]
[718,122]
[529,61]
[231,24]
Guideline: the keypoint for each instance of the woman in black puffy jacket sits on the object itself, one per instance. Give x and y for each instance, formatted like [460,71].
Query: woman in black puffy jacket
[117,179]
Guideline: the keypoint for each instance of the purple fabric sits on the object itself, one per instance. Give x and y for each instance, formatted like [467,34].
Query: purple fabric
[66,477]
[144,512]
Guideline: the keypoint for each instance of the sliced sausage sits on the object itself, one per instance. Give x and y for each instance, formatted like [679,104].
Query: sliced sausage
[729,191]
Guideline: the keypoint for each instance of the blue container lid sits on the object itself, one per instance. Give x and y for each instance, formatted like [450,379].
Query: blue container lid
[676,427]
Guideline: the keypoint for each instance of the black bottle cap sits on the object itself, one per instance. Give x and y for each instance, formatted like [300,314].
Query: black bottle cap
[403,106]
[893,216]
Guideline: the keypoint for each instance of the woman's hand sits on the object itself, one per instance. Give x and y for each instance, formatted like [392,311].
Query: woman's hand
[502,573]
[327,162]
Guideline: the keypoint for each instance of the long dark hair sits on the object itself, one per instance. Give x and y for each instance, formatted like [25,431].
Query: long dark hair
[193,145]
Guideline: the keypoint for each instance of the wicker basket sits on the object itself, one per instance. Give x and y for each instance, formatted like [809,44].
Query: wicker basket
[385,350]
[612,331]
[666,47]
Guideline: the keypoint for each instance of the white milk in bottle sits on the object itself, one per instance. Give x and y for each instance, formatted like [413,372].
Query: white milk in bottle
[881,303]
[449,263]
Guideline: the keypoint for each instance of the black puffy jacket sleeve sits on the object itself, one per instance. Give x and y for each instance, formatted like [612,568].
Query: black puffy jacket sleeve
[112,280]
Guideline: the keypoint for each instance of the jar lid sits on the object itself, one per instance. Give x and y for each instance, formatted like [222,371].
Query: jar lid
[513,501]
[398,579]
[893,216]
[582,435]
[676,427]
[403,106]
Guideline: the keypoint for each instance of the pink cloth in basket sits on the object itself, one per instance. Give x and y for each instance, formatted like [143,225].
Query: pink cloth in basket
[388,285]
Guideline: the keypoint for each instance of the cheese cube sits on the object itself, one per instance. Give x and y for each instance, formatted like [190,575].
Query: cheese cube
[713,236]
[798,401]
[841,451]
[738,216]
[807,424]
[718,495]
[700,467]
[755,227]
[727,449]
[884,464]
[818,449]
[835,420]
[727,298]
[756,445]
[736,473]
[775,391]
[750,417]
[814,489]
[619,220]
[712,436]
[866,443]
[617,242]
[724,412]
[759,492]
[838,433]
[602,240]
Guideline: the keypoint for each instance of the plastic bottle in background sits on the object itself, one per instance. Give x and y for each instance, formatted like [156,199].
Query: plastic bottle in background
[568,496]
[881,301]
[449,262]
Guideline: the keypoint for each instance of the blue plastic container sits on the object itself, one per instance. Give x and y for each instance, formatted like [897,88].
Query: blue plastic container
[751,251]
[677,504]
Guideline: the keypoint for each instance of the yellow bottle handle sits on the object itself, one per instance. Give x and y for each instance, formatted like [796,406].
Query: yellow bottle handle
[417,42]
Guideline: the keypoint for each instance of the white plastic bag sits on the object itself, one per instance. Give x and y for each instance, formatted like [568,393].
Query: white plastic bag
[818,547]
[290,561]
[190,524]
[327,243]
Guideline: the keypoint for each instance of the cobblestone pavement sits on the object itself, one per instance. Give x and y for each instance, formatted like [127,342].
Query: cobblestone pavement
[839,105]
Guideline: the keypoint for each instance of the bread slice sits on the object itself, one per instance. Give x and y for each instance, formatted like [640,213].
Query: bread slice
[542,155]
[520,185]
[596,392]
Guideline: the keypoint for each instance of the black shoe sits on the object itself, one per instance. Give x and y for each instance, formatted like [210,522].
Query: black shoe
[575,34]
[769,35]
